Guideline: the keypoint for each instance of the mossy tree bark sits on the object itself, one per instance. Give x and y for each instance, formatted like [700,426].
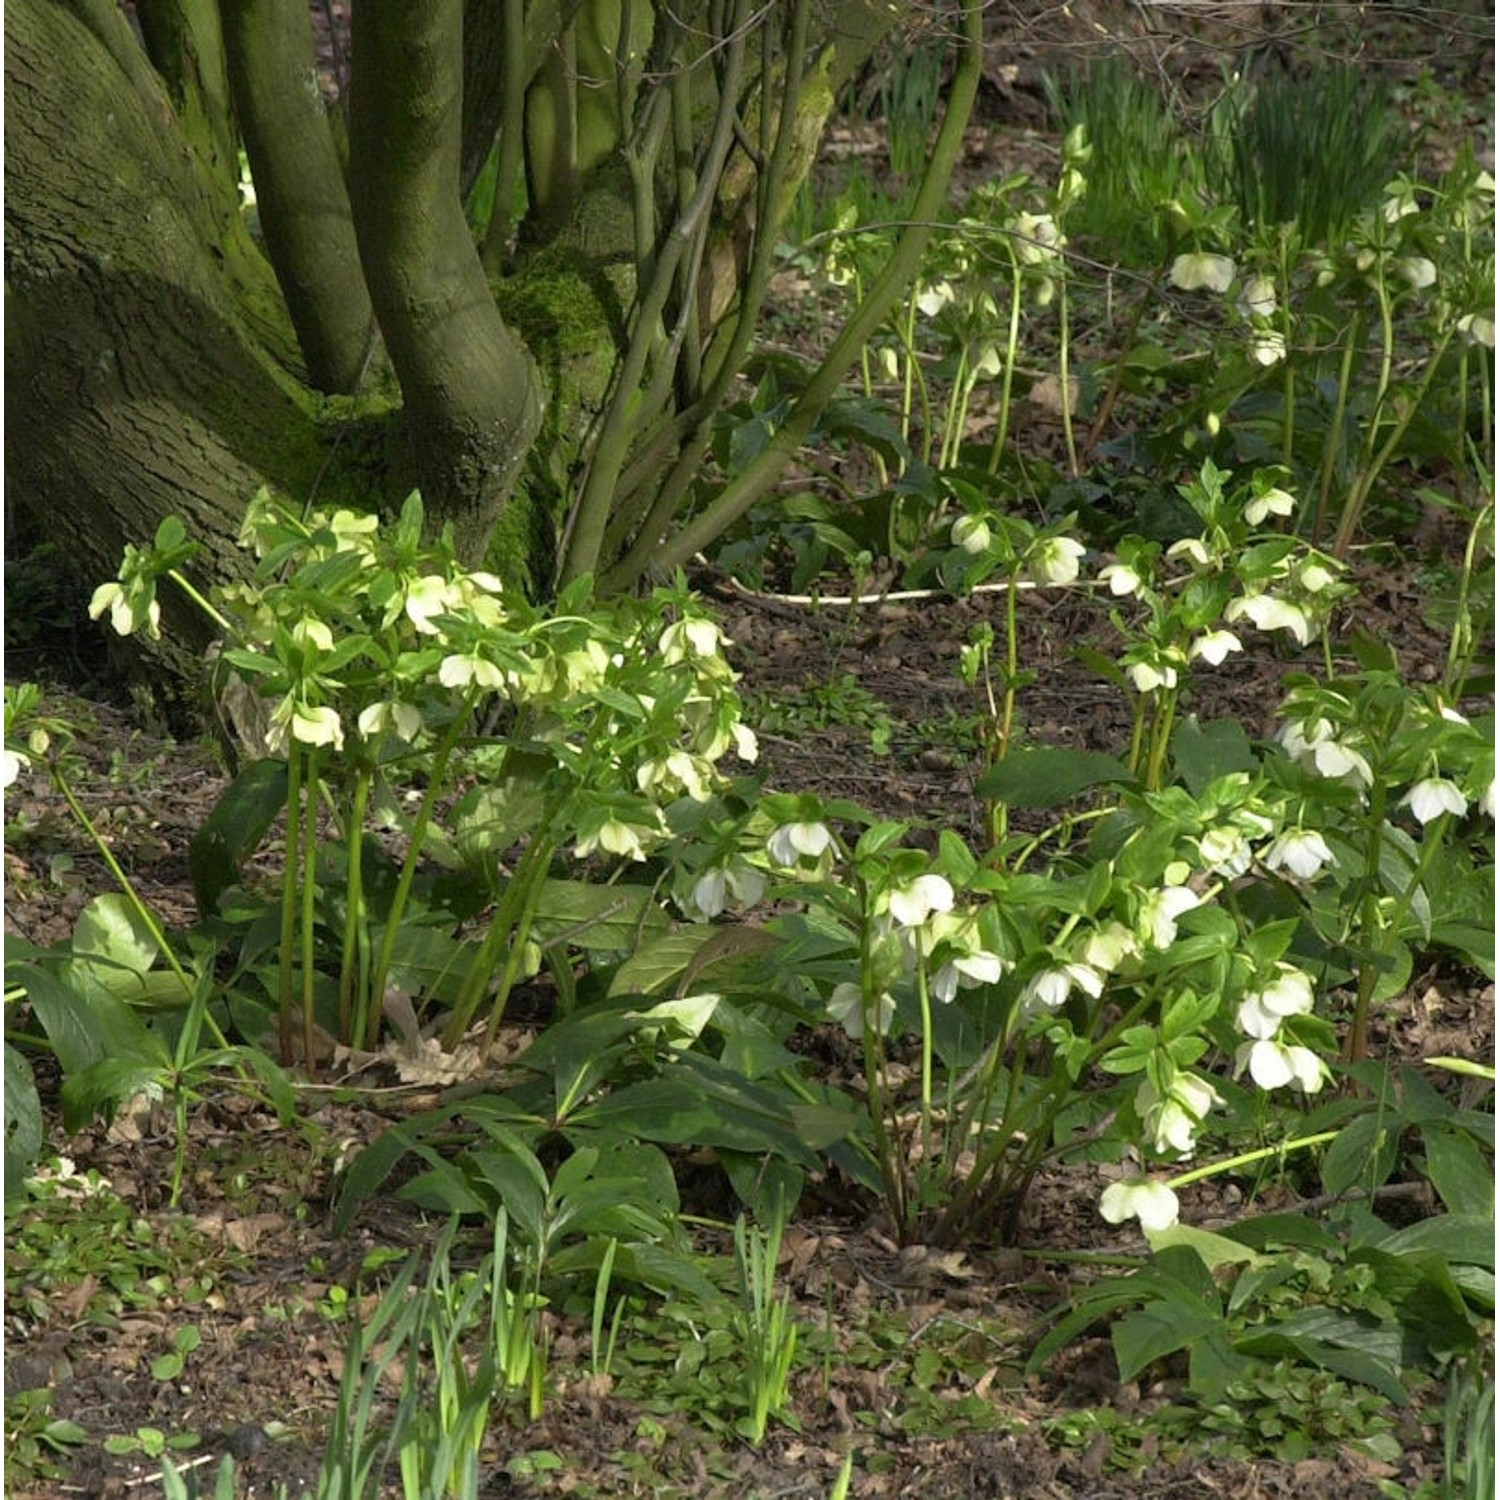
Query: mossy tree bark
[299,186]
[472,405]
[137,382]
[162,360]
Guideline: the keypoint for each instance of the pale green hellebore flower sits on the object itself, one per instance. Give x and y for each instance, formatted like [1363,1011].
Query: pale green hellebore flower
[972,533]
[317,727]
[846,1006]
[685,639]
[471,670]
[404,720]
[1274,502]
[1055,559]
[1143,1198]
[1267,612]
[1199,271]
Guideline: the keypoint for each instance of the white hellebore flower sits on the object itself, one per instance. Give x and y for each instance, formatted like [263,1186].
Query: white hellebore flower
[713,888]
[1487,800]
[1275,502]
[1055,560]
[1122,579]
[1262,1011]
[1213,646]
[1143,1198]
[1200,271]
[1049,988]
[1432,797]
[1156,921]
[1174,1121]
[933,299]
[1314,746]
[112,596]
[1300,851]
[793,842]
[1267,612]
[1418,271]
[12,763]
[1275,1064]
[912,904]
[846,1005]
[964,971]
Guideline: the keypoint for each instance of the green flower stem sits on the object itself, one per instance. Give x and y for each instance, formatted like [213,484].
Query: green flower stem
[1367,924]
[1161,738]
[874,1061]
[142,912]
[1065,395]
[1012,345]
[289,900]
[1461,641]
[508,930]
[1354,506]
[309,912]
[1248,1158]
[436,778]
[202,603]
[352,1025]
[1336,423]
[520,935]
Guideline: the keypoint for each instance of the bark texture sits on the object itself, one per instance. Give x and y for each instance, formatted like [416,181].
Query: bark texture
[134,385]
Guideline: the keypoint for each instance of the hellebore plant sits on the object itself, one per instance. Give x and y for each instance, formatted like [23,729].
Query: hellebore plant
[373,654]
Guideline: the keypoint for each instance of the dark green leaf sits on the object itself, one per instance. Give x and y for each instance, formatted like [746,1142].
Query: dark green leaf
[234,829]
[1204,752]
[1048,777]
[23,1123]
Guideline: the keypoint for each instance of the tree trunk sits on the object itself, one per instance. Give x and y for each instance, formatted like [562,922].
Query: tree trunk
[472,405]
[136,386]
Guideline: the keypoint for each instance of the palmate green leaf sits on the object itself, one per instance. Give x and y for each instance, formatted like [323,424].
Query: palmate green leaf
[605,918]
[369,1170]
[23,1123]
[1459,1170]
[83,1020]
[1162,1328]
[1204,752]
[109,927]
[1048,777]
[1461,1239]
[1363,1152]
[688,954]
[96,1090]
[1357,1347]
